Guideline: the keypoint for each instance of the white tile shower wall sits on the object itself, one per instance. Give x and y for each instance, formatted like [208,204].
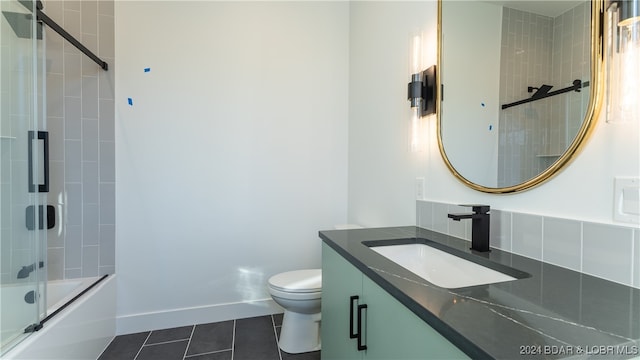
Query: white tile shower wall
[526,46]
[607,251]
[552,50]
[80,120]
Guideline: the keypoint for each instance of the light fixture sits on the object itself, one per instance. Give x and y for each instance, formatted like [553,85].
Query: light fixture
[622,60]
[421,93]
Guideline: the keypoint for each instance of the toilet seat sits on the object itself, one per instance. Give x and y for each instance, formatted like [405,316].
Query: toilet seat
[300,296]
[298,282]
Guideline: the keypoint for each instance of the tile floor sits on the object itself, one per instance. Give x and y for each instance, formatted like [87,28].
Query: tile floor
[241,339]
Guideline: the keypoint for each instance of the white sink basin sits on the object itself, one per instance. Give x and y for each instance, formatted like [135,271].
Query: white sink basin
[440,268]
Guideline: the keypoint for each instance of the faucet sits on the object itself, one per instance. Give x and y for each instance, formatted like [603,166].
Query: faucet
[479,226]
[26,270]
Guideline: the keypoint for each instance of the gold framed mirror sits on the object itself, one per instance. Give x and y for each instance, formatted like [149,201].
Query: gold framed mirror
[521,88]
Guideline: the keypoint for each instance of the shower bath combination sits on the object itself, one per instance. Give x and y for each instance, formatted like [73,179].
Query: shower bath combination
[33,193]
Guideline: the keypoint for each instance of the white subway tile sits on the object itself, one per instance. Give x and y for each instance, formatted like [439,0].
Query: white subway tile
[90,225]
[73,204]
[105,7]
[73,247]
[562,242]
[424,214]
[607,251]
[90,182]
[500,231]
[72,118]
[73,160]
[440,220]
[90,140]
[55,263]
[107,245]
[527,235]
[462,228]
[90,97]
[89,17]
[90,260]
[107,204]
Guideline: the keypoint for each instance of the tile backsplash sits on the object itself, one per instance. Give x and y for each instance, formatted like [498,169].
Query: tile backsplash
[607,251]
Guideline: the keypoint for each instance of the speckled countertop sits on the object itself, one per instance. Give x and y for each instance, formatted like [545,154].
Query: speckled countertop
[551,312]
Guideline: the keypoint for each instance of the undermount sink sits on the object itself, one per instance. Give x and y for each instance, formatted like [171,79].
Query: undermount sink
[439,267]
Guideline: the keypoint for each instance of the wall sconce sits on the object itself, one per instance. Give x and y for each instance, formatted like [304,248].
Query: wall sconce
[421,93]
[622,72]
[422,88]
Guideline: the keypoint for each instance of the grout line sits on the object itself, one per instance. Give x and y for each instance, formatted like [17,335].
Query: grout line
[233,340]
[139,350]
[207,353]
[634,271]
[633,253]
[581,245]
[193,329]
[511,232]
[542,239]
[166,342]
[275,334]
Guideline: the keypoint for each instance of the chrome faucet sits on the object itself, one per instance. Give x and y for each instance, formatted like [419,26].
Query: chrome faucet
[479,226]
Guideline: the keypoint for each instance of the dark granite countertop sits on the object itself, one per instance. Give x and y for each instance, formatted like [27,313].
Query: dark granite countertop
[551,313]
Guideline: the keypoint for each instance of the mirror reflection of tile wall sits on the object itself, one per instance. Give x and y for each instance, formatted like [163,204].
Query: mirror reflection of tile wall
[556,52]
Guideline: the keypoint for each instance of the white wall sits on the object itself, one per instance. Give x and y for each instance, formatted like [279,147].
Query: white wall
[470,133]
[381,167]
[382,171]
[232,156]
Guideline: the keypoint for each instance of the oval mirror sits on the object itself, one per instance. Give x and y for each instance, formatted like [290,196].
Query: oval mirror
[521,84]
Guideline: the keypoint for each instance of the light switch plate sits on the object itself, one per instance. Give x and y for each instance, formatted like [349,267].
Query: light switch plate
[419,188]
[626,203]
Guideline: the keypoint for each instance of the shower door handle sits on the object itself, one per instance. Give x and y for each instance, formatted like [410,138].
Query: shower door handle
[44,136]
[30,216]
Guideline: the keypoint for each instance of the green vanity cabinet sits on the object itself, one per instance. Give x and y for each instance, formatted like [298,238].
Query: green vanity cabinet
[389,329]
[340,281]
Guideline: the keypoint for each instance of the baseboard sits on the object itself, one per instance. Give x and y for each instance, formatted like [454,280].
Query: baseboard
[134,323]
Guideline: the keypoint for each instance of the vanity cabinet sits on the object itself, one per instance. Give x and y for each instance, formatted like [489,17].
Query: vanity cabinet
[388,329]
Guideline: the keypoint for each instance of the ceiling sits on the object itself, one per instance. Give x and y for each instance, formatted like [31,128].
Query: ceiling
[541,7]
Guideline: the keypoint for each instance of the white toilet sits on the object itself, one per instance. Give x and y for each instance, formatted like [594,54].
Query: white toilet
[298,292]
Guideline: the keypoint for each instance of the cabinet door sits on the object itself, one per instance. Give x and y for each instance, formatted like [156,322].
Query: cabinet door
[340,281]
[394,332]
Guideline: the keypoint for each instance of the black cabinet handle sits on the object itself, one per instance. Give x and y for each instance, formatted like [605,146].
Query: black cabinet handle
[361,346]
[352,333]
[42,135]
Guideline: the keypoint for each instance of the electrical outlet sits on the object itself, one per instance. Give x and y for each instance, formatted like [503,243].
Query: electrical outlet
[626,203]
[419,188]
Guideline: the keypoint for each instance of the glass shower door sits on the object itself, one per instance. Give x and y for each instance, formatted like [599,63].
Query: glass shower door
[23,148]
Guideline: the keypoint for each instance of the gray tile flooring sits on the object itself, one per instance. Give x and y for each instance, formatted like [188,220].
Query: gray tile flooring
[241,339]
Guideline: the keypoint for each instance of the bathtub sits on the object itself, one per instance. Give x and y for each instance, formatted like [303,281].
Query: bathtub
[80,330]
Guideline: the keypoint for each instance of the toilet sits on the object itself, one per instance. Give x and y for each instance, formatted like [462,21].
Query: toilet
[298,292]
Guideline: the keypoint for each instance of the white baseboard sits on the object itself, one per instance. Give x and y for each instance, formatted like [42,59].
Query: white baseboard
[133,323]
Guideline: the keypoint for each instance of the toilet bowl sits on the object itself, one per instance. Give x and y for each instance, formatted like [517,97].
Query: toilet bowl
[298,292]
